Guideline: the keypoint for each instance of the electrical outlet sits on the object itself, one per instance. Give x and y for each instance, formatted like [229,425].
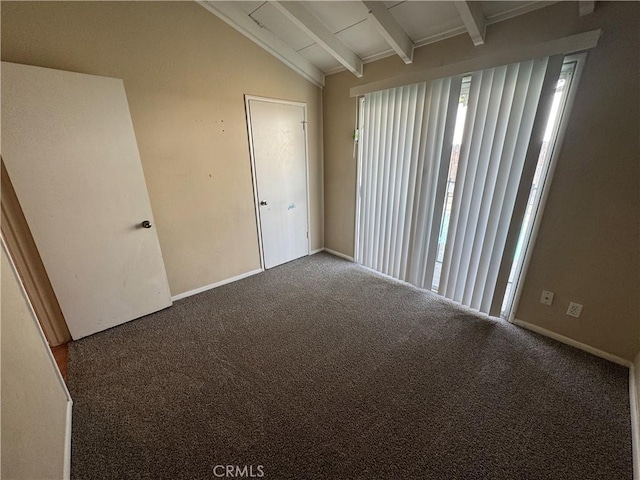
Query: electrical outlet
[547,297]
[574,310]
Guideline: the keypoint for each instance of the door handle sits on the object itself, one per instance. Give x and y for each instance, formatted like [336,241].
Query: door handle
[146,224]
[263,202]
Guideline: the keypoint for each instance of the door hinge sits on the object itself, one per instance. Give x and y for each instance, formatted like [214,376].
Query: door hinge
[304,124]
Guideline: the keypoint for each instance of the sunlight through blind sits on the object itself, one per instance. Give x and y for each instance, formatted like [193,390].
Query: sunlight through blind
[405,154]
[502,107]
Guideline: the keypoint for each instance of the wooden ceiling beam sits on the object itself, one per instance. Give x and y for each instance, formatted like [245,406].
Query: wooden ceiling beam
[473,19]
[391,30]
[243,23]
[309,23]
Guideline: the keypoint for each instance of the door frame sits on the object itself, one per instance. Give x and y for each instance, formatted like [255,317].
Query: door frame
[254,179]
[35,279]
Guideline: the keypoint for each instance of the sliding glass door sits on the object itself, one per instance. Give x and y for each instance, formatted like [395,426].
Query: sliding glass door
[451,175]
[554,132]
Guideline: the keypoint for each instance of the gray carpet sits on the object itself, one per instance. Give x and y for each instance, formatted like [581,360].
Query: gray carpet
[320,369]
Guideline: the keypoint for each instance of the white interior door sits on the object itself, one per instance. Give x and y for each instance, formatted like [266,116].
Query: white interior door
[278,141]
[70,150]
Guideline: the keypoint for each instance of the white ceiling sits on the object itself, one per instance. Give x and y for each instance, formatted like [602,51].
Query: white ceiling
[318,38]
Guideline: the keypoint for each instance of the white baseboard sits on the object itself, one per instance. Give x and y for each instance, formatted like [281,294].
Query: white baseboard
[634,401]
[215,285]
[338,254]
[67,442]
[573,343]
[245,275]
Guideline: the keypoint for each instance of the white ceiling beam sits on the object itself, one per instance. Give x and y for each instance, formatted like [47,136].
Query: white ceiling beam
[324,37]
[473,19]
[230,13]
[586,8]
[391,30]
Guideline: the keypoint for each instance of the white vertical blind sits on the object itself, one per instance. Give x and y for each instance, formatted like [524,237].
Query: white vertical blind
[502,106]
[514,223]
[431,184]
[404,157]
[391,125]
[406,134]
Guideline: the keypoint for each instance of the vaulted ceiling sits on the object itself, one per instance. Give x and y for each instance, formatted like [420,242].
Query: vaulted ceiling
[318,38]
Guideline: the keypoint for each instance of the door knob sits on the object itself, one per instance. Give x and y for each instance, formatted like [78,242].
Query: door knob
[263,202]
[146,224]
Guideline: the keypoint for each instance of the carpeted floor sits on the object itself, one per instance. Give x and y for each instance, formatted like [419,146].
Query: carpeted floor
[320,369]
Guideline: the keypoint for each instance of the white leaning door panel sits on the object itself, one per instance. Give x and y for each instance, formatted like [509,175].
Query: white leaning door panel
[279,152]
[71,153]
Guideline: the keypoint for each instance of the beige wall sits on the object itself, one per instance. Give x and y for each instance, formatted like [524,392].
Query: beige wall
[587,249]
[185,74]
[34,402]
